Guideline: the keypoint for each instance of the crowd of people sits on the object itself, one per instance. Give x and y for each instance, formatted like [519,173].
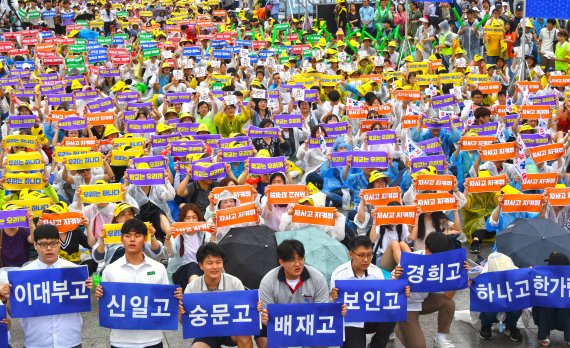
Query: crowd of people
[189,88]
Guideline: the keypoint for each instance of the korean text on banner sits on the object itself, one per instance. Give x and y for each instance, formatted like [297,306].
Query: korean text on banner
[539,181]
[546,153]
[238,215]
[503,291]
[550,286]
[233,313]
[85,161]
[14,218]
[486,184]
[430,202]
[64,222]
[373,301]
[189,227]
[20,181]
[288,325]
[530,203]
[286,194]
[305,214]
[243,192]
[443,271]
[52,291]
[106,193]
[435,182]
[395,215]
[498,152]
[24,161]
[558,197]
[127,306]
[382,196]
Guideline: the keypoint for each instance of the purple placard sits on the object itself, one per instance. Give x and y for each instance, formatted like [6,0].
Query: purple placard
[72,123]
[20,73]
[102,104]
[183,148]
[146,177]
[548,99]
[25,93]
[338,159]
[51,88]
[384,136]
[441,101]
[186,127]
[129,115]
[21,121]
[14,218]
[179,97]
[57,99]
[85,95]
[31,85]
[237,154]
[420,163]
[49,77]
[242,140]
[274,94]
[258,165]
[315,143]
[136,106]
[510,119]
[109,72]
[486,129]
[256,132]
[151,161]
[290,87]
[311,95]
[335,129]
[288,120]
[430,146]
[140,126]
[9,81]
[126,97]
[210,139]
[369,159]
[163,140]
[436,123]
[213,171]
[532,140]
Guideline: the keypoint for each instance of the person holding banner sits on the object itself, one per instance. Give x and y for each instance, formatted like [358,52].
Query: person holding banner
[360,267]
[228,121]
[63,330]
[15,241]
[211,260]
[134,267]
[227,200]
[272,213]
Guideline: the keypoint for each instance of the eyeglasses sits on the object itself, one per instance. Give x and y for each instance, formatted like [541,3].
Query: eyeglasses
[300,260]
[51,245]
[364,256]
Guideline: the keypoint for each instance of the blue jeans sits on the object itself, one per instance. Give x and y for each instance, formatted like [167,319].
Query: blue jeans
[488,318]
[492,59]
[334,197]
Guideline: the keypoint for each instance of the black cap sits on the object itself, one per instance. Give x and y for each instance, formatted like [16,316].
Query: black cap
[519,7]
[557,259]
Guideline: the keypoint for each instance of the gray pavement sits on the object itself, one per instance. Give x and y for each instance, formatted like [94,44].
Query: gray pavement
[463,335]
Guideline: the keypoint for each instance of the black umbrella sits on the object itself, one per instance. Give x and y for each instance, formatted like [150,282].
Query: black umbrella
[530,241]
[251,252]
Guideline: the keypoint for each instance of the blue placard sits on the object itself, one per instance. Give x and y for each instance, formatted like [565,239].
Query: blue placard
[305,324]
[37,293]
[504,291]
[18,64]
[232,313]
[436,272]
[148,45]
[234,49]
[96,58]
[192,52]
[46,34]
[118,41]
[47,14]
[95,48]
[243,43]
[67,15]
[550,286]
[127,306]
[3,327]
[222,54]
[219,43]
[373,301]
[263,54]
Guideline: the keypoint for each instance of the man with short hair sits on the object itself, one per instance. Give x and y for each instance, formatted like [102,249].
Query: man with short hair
[134,267]
[63,330]
[211,258]
[367,17]
[546,43]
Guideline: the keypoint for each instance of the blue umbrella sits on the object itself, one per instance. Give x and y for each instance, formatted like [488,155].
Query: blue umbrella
[321,250]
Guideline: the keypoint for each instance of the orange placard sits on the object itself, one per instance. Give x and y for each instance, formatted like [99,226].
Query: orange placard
[402,94]
[381,109]
[410,121]
[285,194]
[535,112]
[558,197]
[435,182]
[434,64]
[549,152]
[501,110]
[243,192]
[100,118]
[177,228]
[355,113]
[81,142]
[238,215]
[306,214]
[58,115]
[45,47]
[486,184]
[395,215]
[489,87]
[430,202]
[382,196]
[366,125]
[532,86]
[64,222]
[498,152]
[473,143]
[539,181]
[374,77]
[524,203]
[560,81]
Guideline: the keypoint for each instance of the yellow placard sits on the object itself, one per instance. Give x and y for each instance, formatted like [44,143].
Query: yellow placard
[418,66]
[24,161]
[113,233]
[62,152]
[134,142]
[96,24]
[145,13]
[474,79]
[426,80]
[121,158]
[20,181]
[106,193]
[36,205]
[84,161]
[454,78]
[28,141]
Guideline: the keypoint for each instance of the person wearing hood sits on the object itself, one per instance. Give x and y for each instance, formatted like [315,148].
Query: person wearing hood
[445,43]
[500,262]
[271,213]
[226,200]
[548,319]
[333,184]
